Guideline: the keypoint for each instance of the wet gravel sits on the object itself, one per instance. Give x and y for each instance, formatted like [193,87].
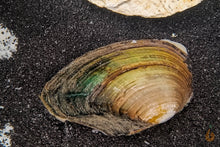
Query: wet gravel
[53,33]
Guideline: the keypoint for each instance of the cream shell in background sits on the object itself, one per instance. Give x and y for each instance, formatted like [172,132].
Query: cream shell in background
[146,8]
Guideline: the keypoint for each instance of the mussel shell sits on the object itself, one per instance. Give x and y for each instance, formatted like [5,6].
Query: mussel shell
[122,88]
[146,8]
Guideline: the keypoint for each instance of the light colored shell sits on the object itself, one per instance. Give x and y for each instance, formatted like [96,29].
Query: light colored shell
[122,88]
[146,8]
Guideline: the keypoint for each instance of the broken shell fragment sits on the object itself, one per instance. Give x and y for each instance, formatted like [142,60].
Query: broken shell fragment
[146,8]
[122,88]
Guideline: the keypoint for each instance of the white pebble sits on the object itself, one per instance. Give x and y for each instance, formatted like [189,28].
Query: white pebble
[18,88]
[174,35]
[147,143]
[5,139]
[95,131]
[8,43]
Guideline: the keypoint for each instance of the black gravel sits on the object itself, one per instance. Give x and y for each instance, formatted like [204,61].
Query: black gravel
[53,33]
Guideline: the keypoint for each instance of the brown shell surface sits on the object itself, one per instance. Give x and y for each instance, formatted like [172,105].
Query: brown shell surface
[122,88]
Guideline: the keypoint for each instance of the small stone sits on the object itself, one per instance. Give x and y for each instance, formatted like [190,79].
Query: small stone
[18,88]
[95,131]
[5,139]
[8,43]
[147,143]
[174,35]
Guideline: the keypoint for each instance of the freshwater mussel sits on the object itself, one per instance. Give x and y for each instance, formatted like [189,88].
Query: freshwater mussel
[122,88]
